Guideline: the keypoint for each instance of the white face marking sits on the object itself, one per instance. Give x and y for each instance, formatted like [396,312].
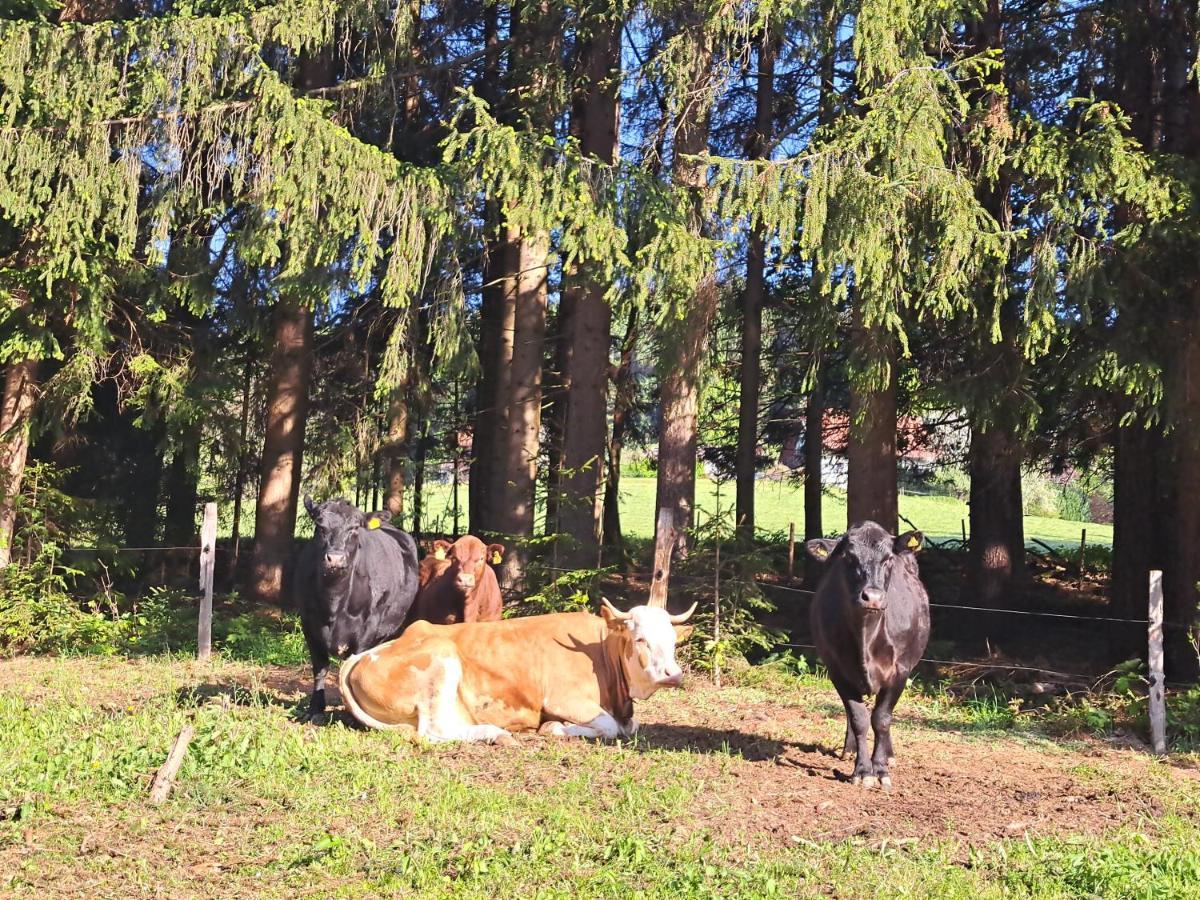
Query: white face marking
[650,659]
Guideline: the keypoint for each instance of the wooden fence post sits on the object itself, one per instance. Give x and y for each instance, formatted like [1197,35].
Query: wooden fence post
[963,523]
[791,550]
[664,545]
[208,553]
[1082,555]
[717,611]
[1157,700]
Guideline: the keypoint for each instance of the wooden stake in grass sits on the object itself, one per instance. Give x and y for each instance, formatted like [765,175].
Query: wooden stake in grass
[1082,555]
[791,550]
[1157,700]
[164,779]
[208,555]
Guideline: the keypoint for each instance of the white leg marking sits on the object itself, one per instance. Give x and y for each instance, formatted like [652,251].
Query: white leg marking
[603,726]
[440,718]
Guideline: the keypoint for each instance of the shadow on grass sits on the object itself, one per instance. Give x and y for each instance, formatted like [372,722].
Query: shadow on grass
[230,695]
[728,742]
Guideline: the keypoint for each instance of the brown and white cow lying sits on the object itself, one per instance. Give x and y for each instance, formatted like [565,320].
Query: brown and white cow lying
[457,584]
[564,674]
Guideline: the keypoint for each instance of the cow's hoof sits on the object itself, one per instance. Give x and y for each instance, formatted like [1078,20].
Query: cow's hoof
[553,729]
[885,782]
[865,781]
[505,740]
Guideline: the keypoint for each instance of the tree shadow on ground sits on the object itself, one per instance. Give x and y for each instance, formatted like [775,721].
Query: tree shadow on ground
[730,742]
[230,695]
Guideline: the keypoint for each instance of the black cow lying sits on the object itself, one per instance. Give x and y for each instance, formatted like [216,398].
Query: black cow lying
[870,622]
[354,584]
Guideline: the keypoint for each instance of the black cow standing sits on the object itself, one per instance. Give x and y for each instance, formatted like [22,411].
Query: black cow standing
[870,622]
[354,584]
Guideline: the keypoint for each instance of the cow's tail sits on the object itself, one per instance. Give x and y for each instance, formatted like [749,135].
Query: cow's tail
[351,704]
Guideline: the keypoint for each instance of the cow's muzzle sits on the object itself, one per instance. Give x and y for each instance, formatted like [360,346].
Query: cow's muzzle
[673,680]
[872,600]
[335,562]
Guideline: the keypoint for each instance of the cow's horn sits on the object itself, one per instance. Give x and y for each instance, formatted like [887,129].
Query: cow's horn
[612,609]
[684,616]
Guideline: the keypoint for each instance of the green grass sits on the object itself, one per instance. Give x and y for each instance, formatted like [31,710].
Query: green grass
[267,807]
[779,503]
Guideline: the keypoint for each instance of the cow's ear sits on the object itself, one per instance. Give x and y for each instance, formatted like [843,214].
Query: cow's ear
[310,506]
[441,549]
[683,632]
[495,554]
[909,542]
[820,549]
[384,515]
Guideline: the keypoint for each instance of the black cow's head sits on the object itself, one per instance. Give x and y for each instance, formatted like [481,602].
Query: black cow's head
[337,526]
[866,554]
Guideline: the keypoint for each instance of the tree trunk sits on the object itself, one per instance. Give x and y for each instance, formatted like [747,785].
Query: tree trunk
[422,449]
[396,450]
[685,340]
[587,324]
[16,411]
[483,431]
[623,396]
[997,544]
[1139,544]
[183,478]
[1182,575]
[996,558]
[871,448]
[757,147]
[239,483]
[519,400]
[814,446]
[283,449]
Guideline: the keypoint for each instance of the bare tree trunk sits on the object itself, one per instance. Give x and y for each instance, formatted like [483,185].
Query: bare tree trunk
[396,450]
[183,478]
[758,147]
[484,427]
[283,449]
[587,327]
[996,561]
[623,391]
[871,451]
[685,340]
[997,545]
[814,446]
[519,396]
[1139,544]
[16,411]
[239,484]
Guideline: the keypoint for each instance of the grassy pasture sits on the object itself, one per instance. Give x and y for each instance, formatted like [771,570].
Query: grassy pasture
[778,503]
[725,793]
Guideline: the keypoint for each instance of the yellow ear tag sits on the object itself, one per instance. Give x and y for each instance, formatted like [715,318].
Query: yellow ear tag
[495,559]
[822,552]
[914,542]
[439,553]
[373,522]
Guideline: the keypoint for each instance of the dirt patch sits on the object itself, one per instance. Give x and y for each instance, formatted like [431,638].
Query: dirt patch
[774,775]
[787,782]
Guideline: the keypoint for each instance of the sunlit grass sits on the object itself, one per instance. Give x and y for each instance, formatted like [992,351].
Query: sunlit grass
[781,503]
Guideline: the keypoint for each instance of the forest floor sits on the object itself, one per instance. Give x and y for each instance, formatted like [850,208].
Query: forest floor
[730,791]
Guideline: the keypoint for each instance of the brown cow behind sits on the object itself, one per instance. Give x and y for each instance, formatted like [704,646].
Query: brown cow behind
[457,583]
